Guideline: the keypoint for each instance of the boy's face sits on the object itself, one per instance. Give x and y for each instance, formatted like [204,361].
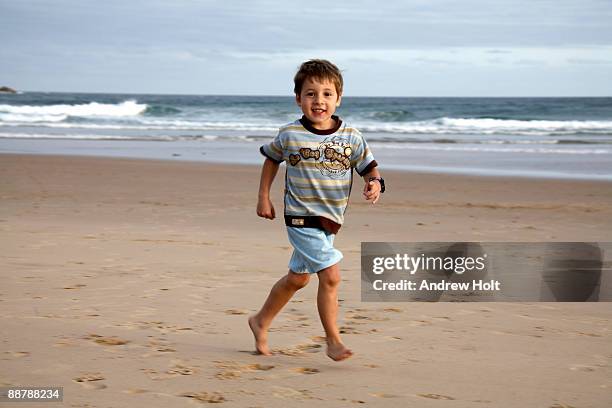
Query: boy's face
[319,101]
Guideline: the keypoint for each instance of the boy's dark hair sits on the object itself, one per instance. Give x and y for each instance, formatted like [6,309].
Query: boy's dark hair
[320,70]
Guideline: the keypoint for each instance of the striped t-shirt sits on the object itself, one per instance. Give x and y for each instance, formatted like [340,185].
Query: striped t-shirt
[320,167]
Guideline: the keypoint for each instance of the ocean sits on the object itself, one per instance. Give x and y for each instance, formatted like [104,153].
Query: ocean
[531,137]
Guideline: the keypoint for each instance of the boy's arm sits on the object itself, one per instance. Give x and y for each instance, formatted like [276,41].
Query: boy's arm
[371,190]
[265,208]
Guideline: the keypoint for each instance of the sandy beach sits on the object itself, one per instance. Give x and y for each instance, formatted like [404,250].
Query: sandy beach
[129,282]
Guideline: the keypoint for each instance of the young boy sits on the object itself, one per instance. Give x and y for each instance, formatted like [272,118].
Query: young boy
[321,152]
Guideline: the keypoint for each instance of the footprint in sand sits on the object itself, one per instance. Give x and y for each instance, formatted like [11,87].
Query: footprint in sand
[180,369]
[291,393]
[18,354]
[236,311]
[77,286]
[228,375]
[393,337]
[233,364]
[231,370]
[306,370]
[363,318]
[136,391]
[589,334]
[204,396]
[353,401]
[106,341]
[162,327]
[154,374]
[436,396]
[358,317]
[160,346]
[90,381]
[175,371]
[300,349]
[420,322]
[259,367]
[383,395]
[348,330]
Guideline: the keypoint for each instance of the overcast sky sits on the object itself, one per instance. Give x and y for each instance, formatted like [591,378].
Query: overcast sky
[385,48]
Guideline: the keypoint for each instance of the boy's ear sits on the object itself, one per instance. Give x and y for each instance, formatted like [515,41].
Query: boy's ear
[298,100]
[339,100]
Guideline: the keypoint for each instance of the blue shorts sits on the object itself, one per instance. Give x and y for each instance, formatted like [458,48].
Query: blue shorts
[313,250]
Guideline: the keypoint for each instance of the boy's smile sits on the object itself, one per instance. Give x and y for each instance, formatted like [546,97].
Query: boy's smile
[319,101]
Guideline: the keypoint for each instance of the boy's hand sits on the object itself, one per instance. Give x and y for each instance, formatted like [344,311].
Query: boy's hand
[371,191]
[265,208]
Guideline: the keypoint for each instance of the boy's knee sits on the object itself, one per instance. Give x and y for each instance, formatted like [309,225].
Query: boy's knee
[330,276]
[298,280]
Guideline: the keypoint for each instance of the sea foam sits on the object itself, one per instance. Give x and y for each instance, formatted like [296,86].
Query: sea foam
[92,109]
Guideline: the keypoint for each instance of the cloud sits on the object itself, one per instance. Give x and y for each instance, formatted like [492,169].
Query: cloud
[285,25]
[48,44]
[589,61]
[468,56]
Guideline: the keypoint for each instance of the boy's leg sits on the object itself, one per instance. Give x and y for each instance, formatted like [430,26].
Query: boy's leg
[327,303]
[280,294]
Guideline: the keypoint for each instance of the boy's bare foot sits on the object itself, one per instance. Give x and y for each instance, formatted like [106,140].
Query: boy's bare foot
[261,337]
[338,352]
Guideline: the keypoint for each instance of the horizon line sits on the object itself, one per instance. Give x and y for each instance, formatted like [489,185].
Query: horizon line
[292,95]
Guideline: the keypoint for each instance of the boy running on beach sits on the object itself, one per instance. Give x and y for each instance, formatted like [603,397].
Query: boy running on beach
[321,152]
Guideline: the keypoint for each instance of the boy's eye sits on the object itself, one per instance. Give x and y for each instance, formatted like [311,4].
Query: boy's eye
[326,94]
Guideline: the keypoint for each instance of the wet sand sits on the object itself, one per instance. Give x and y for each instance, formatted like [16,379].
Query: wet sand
[129,282]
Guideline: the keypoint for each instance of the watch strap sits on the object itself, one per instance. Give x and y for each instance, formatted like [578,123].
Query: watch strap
[381,181]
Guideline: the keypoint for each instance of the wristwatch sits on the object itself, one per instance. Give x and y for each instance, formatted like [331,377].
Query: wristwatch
[381,181]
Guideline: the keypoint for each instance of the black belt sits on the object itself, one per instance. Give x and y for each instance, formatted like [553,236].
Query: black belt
[308,221]
[312,221]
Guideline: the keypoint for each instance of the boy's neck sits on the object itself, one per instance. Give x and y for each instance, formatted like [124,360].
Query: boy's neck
[308,126]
